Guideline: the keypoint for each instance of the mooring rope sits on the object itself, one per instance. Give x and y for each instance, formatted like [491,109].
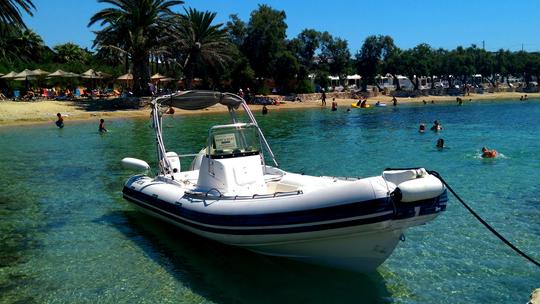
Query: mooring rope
[523,254]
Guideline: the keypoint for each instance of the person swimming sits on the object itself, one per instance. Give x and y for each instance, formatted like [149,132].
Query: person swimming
[422,128]
[487,153]
[60,122]
[436,126]
[440,143]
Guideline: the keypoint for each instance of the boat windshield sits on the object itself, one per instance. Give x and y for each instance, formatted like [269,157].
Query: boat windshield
[233,141]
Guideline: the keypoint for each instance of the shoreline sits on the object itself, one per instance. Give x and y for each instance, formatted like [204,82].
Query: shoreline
[16,113]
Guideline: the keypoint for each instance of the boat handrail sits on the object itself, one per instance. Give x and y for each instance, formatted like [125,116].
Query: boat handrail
[188,155]
[236,125]
[200,194]
[341,178]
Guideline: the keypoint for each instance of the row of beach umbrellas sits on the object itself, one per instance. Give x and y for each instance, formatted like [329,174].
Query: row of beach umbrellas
[90,74]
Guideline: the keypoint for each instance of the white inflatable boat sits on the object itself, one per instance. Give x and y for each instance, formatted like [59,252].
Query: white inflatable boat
[232,196]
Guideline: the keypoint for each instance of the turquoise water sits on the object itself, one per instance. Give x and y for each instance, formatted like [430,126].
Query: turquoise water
[67,236]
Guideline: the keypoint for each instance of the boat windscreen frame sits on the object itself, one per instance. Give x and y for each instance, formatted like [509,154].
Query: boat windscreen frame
[240,143]
[232,101]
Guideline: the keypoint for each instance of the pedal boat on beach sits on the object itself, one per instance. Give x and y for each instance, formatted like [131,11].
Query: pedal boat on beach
[231,195]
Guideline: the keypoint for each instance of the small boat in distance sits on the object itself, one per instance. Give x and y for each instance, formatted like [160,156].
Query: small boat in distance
[231,195]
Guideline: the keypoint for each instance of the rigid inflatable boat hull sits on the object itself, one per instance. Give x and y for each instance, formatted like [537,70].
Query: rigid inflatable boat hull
[357,236]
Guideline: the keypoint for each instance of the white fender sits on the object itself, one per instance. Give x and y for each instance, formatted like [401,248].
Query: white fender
[136,164]
[420,189]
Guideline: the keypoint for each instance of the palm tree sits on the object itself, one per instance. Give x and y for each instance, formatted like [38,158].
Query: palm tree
[17,43]
[11,14]
[134,27]
[70,53]
[202,47]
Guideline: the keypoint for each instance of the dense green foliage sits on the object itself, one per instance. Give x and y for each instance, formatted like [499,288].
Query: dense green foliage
[10,11]
[135,27]
[147,36]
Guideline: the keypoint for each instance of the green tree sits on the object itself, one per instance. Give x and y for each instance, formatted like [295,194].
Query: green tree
[71,53]
[286,71]
[440,64]
[203,48]
[265,39]
[503,63]
[395,64]
[371,55]
[483,63]
[236,30]
[420,63]
[19,44]
[10,11]
[335,54]
[134,27]
[242,74]
[304,47]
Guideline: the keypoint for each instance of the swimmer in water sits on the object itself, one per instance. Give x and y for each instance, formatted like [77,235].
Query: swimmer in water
[440,143]
[422,128]
[60,122]
[436,126]
[486,153]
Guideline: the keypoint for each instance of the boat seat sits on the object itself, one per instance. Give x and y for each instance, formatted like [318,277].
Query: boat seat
[274,187]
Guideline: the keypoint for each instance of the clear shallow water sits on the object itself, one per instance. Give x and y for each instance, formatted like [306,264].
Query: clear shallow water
[67,236]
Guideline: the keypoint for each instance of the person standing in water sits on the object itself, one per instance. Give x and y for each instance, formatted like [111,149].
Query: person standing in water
[60,122]
[264,110]
[102,128]
[334,104]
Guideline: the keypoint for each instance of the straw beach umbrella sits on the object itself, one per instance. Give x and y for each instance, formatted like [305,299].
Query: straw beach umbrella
[9,75]
[63,74]
[157,76]
[39,72]
[91,74]
[127,76]
[103,74]
[24,75]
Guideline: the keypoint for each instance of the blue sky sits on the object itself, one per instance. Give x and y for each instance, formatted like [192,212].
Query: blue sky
[446,24]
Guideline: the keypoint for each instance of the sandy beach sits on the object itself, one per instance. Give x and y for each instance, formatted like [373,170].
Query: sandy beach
[35,112]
